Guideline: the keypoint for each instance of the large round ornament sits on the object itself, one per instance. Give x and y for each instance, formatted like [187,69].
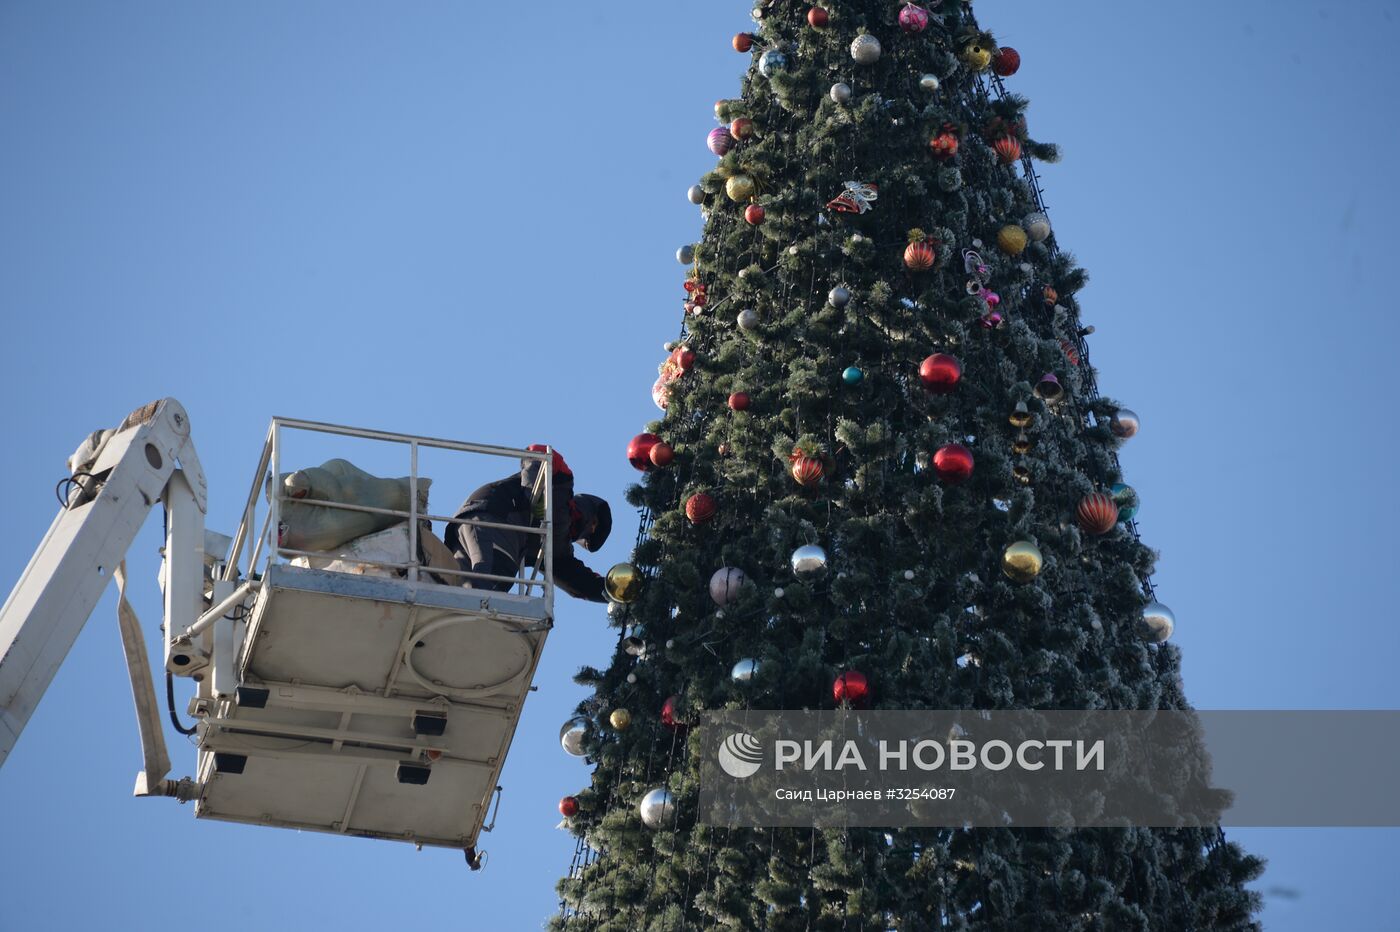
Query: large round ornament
[747,319]
[671,715]
[852,375]
[1126,498]
[700,508]
[568,806]
[1008,149]
[1012,239]
[841,92]
[851,687]
[572,734]
[771,61]
[639,451]
[976,56]
[725,585]
[740,188]
[623,583]
[808,470]
[1037,224]
[817,18]
[1124,423]
[741,128]
[620,719]
[809,562]
[929,82]
[719,140]
[839,296]
[743,41]
[865,49]
[952,463]
[686,254]
[745,670]
[1021,561]
[1006,62]
[739,401]
[919,256]
[662,454]
[913,18]
[940,373]
[1157,623]
[657,807]
[1097,513]
[754,214]
[695,194]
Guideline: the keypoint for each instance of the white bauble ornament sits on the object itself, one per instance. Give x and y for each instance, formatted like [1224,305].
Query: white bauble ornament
[866,49]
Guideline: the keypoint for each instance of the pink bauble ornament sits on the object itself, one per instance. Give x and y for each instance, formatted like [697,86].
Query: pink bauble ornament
[913,18]
[720,141]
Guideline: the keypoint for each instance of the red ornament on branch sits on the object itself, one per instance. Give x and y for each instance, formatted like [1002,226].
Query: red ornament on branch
[817,18]
[913,18]
[662,454]
[851,688]
[1097,513]
[807,470]
[743,42]
[700,508]
[1006,62]
[754,214]
[739,401]
[639,451]
[952,463]
[568,807]
[921,253]
[944,146]
[940,373]
[742,128]
[670,714]
[1008,149]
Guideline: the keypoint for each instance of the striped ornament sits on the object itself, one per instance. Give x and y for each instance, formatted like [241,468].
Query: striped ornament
[1098,513]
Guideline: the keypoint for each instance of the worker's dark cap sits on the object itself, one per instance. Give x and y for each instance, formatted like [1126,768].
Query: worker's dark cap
[591,507]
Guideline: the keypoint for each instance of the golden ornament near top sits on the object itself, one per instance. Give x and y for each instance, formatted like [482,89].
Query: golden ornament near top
[1012,239]
[620,719]
[1021,562]
[976,56]
[623,583]
[740,188]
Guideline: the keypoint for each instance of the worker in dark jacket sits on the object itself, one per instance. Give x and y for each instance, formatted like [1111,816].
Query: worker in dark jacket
[582,519]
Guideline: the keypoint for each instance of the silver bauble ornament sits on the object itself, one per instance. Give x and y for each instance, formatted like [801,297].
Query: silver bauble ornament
[725,585]
[696,194]
[1157,623]
[809,561]
[748,319]
[928,82]
[865,49]
[771,61]
[686,254]
[572,734]
[1124,423]
[745,670]
[839,296]
[657,807]
[841,92]
[1036,225]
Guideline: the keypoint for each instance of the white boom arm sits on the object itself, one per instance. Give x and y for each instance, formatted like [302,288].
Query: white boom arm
[117,478]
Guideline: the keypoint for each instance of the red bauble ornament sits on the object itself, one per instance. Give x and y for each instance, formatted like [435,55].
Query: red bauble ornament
[940,373]
[817,18]
[952,463]
[1097,513]
[639,451]
[670,713]
[739,401]
[754,214]
[661,454]
[700,507]
[1008,149]
[743,42]
[913,18]
[852,687]
[807,470]
[685,358]
[944,146]
[1007,61]
[568,806]
[742,128]
[919,257]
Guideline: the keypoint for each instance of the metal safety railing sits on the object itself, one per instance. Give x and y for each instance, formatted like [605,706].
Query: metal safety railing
[536,581]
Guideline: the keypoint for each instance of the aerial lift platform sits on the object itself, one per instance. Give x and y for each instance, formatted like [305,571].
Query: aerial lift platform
[373,697]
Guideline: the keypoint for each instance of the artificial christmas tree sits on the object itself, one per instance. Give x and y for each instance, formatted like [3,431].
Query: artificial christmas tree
[902,312]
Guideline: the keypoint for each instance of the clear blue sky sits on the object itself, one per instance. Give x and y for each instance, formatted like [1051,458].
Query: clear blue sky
[460,220]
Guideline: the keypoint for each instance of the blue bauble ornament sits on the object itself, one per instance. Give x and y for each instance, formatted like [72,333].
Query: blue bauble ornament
[1126,498]
[771,61]
[852,376]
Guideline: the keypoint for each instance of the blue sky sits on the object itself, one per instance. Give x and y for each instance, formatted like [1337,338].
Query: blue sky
[432,218]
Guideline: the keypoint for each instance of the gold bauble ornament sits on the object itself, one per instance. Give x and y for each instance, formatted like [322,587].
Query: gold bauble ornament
[620,719]
[623,583]
[740,188]
[976,56]
[1021,562]
[1012,239]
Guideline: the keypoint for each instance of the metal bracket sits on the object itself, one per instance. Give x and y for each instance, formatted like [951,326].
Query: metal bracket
[496,812]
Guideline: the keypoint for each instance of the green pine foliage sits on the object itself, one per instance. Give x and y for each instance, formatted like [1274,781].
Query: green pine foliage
[915,598]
